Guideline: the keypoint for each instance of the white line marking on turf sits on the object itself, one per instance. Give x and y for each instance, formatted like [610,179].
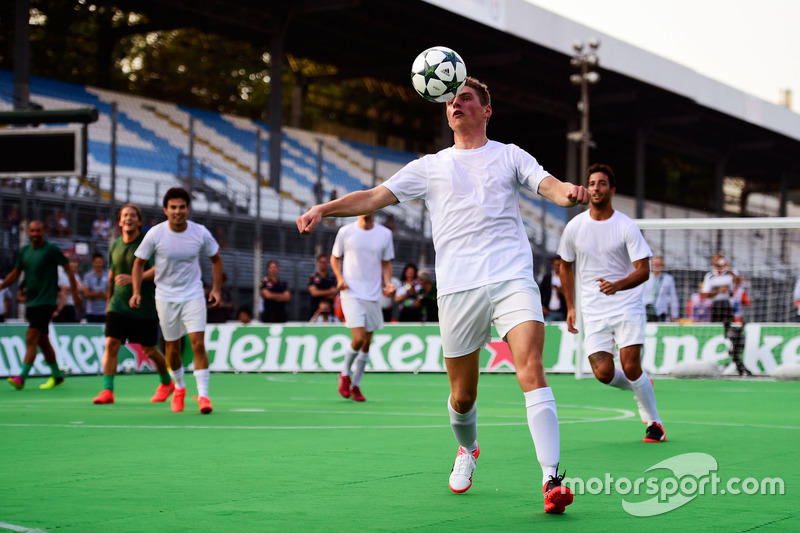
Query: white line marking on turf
[13,527]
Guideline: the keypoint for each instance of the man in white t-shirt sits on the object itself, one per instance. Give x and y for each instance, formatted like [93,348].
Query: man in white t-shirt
[613,261]
[484,271]
[361,259]
[178,244]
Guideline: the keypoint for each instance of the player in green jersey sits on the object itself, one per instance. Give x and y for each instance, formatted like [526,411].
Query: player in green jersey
[39,260]
[139,326]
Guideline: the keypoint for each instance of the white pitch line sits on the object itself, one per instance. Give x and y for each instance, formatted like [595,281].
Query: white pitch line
[13,527]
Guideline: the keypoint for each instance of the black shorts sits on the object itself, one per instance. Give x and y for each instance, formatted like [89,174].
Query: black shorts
[39,317]
[142,331]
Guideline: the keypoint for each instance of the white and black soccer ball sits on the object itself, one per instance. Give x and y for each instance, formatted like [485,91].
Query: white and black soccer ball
[128,366]
[438,74]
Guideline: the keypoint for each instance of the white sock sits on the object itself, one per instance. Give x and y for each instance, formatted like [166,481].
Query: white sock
[177,377]
[465,426]
[361,363]
[201,376]
[349,356]
[620,381]
[543,423]
[646,398]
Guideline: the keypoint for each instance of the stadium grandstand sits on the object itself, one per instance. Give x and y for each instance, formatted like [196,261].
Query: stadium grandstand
[683,145]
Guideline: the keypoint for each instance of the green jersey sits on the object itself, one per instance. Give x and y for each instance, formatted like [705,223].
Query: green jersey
[41,273]
[120,261]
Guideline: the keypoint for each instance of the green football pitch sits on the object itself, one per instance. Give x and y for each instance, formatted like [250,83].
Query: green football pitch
[283,452]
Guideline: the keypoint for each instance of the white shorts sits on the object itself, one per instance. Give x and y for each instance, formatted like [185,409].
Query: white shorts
[362,314]
[466,317]
[621,330]
[180,318]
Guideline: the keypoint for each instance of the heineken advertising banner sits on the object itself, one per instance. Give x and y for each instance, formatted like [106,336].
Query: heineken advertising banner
[396,348]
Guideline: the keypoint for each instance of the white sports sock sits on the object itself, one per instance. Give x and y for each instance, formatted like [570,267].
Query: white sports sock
[620,381]
[361,363]
[177,377]
[464,426]
[349,355]
[201,376]
[646,398]
[543,424]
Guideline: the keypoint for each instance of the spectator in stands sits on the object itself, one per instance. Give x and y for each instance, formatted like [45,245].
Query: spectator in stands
[39,260]
[220,313]
[796,297]
[554,306]
[698,309]
[222,238]
[275,294]
[95,290]
[426,298]
[12,222]
[719,285]
[660,295]
[406,295]
[324,314]
[63,224]
[101,228]
[5,302]
[321,283]
[387,301]
[66,309]
[244,315]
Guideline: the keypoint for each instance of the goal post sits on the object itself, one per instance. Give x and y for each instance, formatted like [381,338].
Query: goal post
[764,252]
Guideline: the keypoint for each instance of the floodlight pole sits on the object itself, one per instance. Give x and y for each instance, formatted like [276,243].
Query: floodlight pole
[584,62]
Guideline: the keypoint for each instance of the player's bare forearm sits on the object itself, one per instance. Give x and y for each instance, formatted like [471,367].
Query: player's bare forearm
[562,193]
[567,276]
[136,276]
[354,203]
[10,279]
[388,286]
[634,279]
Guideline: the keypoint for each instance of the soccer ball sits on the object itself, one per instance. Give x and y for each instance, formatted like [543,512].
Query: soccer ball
[128,366]
[438,74]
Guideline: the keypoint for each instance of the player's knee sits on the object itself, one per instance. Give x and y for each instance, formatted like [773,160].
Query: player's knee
[462,401]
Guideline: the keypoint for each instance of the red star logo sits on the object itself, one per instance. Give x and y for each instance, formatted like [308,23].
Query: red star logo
[141,358]
[499,355]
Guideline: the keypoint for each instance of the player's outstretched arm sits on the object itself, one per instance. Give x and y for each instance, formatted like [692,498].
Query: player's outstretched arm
[563,194]
[355,203]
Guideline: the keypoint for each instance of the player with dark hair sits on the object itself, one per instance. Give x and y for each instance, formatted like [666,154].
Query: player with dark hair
[177,245]
[124,323]
[39,260]
[613,261]
[484,271]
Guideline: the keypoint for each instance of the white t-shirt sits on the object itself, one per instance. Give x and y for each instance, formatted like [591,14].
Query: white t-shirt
[177,259]
[604,249]
[473,200]
[363,251]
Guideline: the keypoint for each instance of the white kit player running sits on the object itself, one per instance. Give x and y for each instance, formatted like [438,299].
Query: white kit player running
[178,244]
[613,262]
[361,260]
[484,271]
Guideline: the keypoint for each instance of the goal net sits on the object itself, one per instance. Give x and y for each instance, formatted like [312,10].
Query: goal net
[765,333]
